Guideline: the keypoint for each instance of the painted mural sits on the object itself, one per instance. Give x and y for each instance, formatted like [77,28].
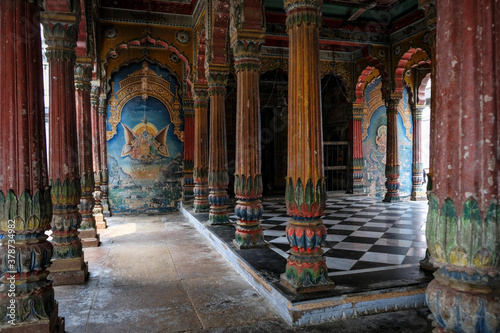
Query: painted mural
[374,134]
[405,142]
[145,140]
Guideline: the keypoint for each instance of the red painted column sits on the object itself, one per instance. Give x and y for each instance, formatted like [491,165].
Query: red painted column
[218,178]
[417,190]
[103,147]
[248,177]
[68,265]
[83,76]
[96,157]
[188,186]
[392,166]
[357,149]
[200,172]
[463,224]
[26,298]
[306,269]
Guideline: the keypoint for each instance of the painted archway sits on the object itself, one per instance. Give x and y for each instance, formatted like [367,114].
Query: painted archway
[144,140]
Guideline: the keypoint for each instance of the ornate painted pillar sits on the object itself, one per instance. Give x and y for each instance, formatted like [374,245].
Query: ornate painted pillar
[248,177]
[306,269]
[218,178]
[103,148]
[463,223]
[26,295]
[61,32]
[200,172]
[188,186]
[357,149]
[392,166]
[83,76]
[417,190]
[96,157]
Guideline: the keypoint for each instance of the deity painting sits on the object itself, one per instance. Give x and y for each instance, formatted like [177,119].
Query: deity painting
[376,159]
[144,142]
[381,138]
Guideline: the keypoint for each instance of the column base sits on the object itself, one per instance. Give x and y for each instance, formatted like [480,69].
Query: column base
[306,272]
[248,236]
[100,221]
[90,238]
[216,218]
[418,193]
[426,264]
[201,205]
[68,271]
[218,206]
[392,197]
[54,324]
[250,242]
[465,311]
[101,225]
[358,190]
[105,208]
[301,289]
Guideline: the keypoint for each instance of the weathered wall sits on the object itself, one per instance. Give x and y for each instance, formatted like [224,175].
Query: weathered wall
[145,140]
[374,130]
[405,143]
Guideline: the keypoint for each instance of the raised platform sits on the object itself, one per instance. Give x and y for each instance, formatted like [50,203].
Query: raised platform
[372,252]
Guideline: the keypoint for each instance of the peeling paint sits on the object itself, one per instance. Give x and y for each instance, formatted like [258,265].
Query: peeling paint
[491,166]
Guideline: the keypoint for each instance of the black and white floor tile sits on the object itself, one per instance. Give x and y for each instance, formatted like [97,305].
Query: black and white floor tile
[364,234]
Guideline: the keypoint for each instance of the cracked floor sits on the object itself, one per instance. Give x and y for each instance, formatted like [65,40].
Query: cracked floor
[158,274]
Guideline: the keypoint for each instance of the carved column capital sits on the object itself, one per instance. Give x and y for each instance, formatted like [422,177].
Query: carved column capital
[83,74]
[217,76]
[247,45]
[300,12]
[95,93]
[188,107]
[60,30]
[200,93]
[357,111]
[102,104]
[392,102]
[417,111]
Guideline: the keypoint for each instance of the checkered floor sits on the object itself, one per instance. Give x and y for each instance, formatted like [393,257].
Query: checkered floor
[364,234]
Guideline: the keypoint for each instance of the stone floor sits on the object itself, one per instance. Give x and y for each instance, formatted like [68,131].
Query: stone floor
[157,274]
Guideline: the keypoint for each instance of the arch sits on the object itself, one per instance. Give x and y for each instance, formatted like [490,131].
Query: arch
[134,86]
[377,64]
[366,76]
[146,41]
[421,89]
[407,58]
[140,60]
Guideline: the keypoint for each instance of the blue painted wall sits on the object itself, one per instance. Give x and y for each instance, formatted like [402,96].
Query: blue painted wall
[374,148]
[405,150]
[374,153]
[144,166]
